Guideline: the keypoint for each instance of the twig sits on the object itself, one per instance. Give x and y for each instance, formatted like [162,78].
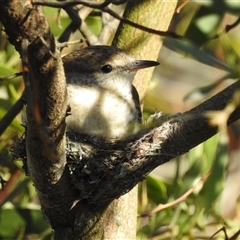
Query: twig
[66,44]
[180,199]
[103,7]
[218,231]
[8,185]
[90,37]
[73,26]
[88,34]
[71,3]
[146,29]
[227,29]
[11,77]
[179,8]
[110,25]
[11,114]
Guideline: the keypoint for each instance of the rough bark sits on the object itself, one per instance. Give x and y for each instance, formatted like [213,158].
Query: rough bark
[141,45]
[46,111]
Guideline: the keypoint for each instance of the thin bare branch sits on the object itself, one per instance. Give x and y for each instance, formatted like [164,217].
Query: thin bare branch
[104,8]
[228,28]
[73,26]
[181,6]
[11,114]
[67,44]
[160,207]
[68,3]
[110,25]
[11,77]
[146,29]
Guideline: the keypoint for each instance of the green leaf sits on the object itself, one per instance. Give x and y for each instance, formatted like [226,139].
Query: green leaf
[156,189]
[15,221]
[213,186]
[11,223]
[190,50]
[204,25]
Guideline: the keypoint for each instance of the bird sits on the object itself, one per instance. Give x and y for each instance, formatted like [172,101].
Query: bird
[103,101]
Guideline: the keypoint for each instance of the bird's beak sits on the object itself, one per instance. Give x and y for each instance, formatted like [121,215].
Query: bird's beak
[139,64]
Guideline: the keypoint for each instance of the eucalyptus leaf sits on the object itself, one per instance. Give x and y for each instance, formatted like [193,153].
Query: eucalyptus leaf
[190,50]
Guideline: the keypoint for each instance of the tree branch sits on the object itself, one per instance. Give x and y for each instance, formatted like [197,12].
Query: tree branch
[122,165]
[104,8]
[46,111]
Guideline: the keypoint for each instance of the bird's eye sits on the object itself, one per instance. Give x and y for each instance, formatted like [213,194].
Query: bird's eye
[106,68]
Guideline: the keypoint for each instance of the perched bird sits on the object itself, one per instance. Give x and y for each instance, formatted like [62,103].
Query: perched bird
[103,101]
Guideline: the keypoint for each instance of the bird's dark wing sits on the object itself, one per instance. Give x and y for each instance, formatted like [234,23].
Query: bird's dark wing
[137,103]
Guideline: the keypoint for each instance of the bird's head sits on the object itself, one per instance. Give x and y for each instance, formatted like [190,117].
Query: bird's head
[103,64]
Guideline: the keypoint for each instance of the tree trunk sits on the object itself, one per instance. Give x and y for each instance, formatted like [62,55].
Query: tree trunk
[156,14]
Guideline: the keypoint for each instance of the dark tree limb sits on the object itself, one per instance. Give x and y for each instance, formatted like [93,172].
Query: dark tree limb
[46,111]
[122,165]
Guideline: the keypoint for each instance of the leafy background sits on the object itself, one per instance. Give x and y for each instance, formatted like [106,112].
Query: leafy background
[192,69]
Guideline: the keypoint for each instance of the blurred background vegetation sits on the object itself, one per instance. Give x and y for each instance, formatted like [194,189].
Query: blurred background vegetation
[191,70]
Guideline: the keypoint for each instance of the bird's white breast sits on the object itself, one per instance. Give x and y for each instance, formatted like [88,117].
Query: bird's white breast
[101,112]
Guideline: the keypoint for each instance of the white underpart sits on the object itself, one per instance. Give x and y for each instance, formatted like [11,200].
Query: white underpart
[108,112]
